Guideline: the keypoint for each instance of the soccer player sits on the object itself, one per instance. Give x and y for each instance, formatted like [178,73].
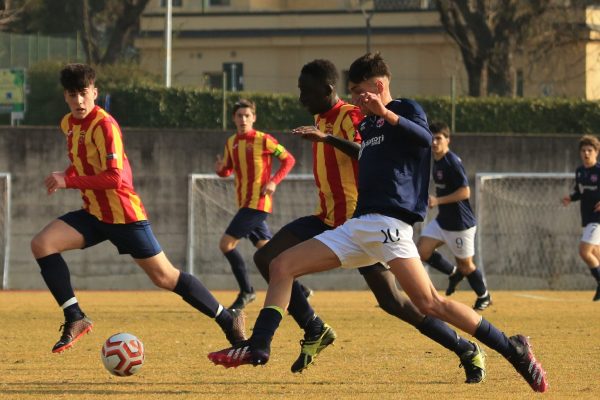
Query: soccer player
[335,151]
[393,178]
[249,154]
[455,222]
[112,210]
[587,190]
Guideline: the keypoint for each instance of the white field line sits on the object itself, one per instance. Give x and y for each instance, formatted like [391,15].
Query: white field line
[546,298]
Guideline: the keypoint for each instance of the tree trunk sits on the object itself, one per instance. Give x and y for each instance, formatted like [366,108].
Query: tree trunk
[125,26]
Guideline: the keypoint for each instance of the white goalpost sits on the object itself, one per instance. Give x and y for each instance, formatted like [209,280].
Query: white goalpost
[4,226]
[526,239]
[212,205]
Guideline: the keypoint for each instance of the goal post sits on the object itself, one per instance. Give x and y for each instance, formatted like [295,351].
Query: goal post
[526,239]
[212,205]
[4,226]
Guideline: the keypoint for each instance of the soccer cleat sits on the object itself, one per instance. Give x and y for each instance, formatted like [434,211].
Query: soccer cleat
[525,363]
[482,303]
[311,347]
[453,281]
[473,362]
[72,332]
[237,332]
[597,295]
[242,300]
[240,354]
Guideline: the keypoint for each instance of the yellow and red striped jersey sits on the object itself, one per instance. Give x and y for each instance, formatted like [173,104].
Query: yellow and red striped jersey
[335,172]
[95,145]
[250,156]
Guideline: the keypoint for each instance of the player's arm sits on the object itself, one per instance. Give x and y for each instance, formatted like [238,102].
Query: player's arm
[313,134]
[575,195]
[224,165]
[460,194]
[286,163]
[417,132]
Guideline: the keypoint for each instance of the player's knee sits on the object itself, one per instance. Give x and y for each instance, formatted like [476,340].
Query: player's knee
[429,306]
[585,252]
[279,268]
[163,280]
[39,246]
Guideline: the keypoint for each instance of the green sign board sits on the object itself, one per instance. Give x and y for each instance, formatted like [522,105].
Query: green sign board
[12,90]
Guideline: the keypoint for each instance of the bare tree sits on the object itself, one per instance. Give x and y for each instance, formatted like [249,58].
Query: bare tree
[488,33]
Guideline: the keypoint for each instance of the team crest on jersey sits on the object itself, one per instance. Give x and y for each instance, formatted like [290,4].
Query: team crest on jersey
[594,178]
[81,137]
[70,132]
[439,174]
[380,122]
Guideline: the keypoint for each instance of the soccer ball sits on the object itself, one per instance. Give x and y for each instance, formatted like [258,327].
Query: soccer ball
[122,354]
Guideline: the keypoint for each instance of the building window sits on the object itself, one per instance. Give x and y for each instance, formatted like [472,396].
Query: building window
[235,76]
[213,80]
[176,3]
[219,3]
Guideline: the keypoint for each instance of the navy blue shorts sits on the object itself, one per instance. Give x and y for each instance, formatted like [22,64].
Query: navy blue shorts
[135,238]
[305,228]
[249,223]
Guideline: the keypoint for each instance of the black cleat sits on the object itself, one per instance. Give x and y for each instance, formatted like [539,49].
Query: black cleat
[240,354]
[482,303]
[71,333]
[597,295]
[473,361]
[453,281]
[242,300]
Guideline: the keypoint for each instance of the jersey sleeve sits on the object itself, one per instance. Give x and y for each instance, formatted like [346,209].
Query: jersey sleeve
[459,173]
[576,194]
[413,122]
[107,137]
[227,160]
[286,159]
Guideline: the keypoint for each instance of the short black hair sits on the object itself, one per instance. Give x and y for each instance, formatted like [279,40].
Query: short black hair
[439,127]
[76,77]
[322,70]
[244,103]
[367,67]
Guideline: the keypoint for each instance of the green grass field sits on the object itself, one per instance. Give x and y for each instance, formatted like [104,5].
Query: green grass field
[375,357]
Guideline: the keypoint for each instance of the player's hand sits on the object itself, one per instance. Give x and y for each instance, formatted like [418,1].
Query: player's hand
[567,200]
[309,133]
[55,181]
[219,163]
[268,189]
[433,201]
[372,104]
[597,207]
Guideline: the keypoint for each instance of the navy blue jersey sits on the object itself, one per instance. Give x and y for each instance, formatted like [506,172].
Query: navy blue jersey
[587,190]
[394,164]
[449,175]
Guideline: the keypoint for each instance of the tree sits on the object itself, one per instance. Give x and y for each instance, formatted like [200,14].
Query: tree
[488,33]
[107,27]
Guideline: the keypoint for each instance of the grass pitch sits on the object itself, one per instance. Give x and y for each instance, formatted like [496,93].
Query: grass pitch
[375,357]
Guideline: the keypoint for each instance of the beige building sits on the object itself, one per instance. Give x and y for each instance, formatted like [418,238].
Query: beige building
[262,44]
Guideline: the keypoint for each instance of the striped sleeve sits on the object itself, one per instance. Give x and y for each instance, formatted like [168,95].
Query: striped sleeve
[284,156]
[227,159]
[110,145]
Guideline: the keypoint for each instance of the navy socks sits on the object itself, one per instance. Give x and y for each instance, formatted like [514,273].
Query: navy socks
[197,295]
[440,263]
[56,274]
[238,267]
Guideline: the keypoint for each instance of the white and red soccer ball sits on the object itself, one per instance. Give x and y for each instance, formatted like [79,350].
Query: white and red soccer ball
[123,354]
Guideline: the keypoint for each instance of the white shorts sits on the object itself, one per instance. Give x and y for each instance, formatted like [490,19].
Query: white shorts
[461,243]
[369,239]
[591,234]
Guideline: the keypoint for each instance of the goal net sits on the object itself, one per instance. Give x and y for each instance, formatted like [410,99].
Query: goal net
[526,239]
[4,226]
[212,205]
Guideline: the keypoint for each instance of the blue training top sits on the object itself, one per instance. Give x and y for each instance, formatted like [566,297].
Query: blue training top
[449,175]
[587,190]
[394,164]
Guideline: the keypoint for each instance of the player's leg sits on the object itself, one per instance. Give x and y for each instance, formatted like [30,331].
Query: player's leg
[431,238]
[475,278]
[382,283]
[74,230]
[164,275]
[317,334]
[516,349]
[589,253]
[306,257]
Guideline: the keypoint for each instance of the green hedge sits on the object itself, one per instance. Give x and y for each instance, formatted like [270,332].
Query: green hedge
[137,99]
